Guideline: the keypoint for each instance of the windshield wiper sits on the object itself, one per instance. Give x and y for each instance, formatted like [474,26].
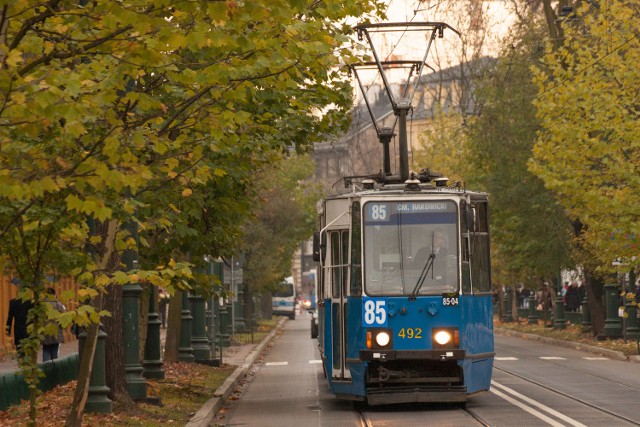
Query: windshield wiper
[428,266]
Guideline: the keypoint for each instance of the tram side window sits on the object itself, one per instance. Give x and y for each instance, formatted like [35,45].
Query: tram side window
[356,257]
[480,263]
[335,261]
[339,262]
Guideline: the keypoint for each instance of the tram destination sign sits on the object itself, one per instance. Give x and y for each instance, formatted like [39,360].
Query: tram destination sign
[384,212]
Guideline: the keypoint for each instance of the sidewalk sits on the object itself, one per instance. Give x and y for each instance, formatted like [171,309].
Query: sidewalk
[234,355]
[10,364]
[243,356]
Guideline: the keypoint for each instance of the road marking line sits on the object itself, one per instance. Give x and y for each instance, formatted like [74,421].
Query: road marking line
[552,358]
[313,362]
[506,358]
[595,358]
[276,363]
[526,408]
[534,403]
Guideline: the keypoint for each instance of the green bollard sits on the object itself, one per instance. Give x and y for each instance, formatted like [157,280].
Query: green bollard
[239,322]
[507,311]
[559,321]
[533,315]
[4,393]
[152,363]
[632,330]
[612,324]
[223,323]
[185,351]
[136,384]
[199,340]
[98,397]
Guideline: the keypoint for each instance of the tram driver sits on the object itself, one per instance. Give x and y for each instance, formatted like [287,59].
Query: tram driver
[437,249]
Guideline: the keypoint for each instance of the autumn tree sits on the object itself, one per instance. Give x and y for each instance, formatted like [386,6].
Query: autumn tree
[530,231]
[284,216]
[587,149]
[105,102]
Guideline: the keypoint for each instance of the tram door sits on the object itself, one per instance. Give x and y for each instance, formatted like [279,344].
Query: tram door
[339,285]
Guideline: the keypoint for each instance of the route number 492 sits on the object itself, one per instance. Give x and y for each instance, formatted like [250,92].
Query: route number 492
[375,312]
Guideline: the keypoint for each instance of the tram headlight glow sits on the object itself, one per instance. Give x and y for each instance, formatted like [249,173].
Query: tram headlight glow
[379,338]
[382,339]
[445,338]
[442,337]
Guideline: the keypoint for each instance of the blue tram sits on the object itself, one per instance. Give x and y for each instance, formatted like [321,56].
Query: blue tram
[404,293]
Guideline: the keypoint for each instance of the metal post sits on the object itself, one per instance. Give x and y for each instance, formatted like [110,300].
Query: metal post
[559,321]
[199,340]
[506,308]
[136,384]
[632,331]
[404,105]
[385,139]
[586,314]
[185,351]
[233,297]
[152,363]
[533,315]
[240,321]
[612,324]
[98,398]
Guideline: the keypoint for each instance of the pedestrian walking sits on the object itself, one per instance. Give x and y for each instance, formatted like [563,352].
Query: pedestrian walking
[51,343]
[544,297]
[18,317]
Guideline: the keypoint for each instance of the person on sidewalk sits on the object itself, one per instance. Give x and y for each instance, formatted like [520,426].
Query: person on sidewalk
[51,343]
[18,313]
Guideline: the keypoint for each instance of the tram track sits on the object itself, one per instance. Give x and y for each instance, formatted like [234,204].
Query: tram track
[573,398]
[366,421]
[576,370]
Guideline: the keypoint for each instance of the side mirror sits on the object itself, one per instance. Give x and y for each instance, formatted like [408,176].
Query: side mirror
[318,247]
[471,218]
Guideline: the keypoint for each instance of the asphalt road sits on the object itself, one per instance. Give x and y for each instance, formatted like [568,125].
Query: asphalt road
[534,384]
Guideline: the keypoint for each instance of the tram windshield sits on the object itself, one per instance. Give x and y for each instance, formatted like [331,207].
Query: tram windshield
[410,247]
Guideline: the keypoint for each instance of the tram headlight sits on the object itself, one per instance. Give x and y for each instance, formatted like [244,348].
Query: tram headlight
[378,338]
[445,338]
[382,339]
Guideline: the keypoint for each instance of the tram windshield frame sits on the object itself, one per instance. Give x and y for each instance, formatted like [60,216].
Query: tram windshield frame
[410,246]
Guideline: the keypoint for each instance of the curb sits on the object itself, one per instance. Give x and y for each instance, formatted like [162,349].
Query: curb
[612,354]
[206,414]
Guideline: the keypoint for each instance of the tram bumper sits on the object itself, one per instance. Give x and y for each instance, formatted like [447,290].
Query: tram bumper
[406,376]
[454,354]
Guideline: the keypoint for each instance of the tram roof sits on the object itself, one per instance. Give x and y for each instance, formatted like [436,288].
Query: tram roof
[395,190]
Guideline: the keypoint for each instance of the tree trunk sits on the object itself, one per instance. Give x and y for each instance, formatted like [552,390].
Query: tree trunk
[74,419]
[172,343]
[114,343]
[144,316]
[595,299]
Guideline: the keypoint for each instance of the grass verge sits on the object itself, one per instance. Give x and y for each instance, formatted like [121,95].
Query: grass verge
[573,333]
